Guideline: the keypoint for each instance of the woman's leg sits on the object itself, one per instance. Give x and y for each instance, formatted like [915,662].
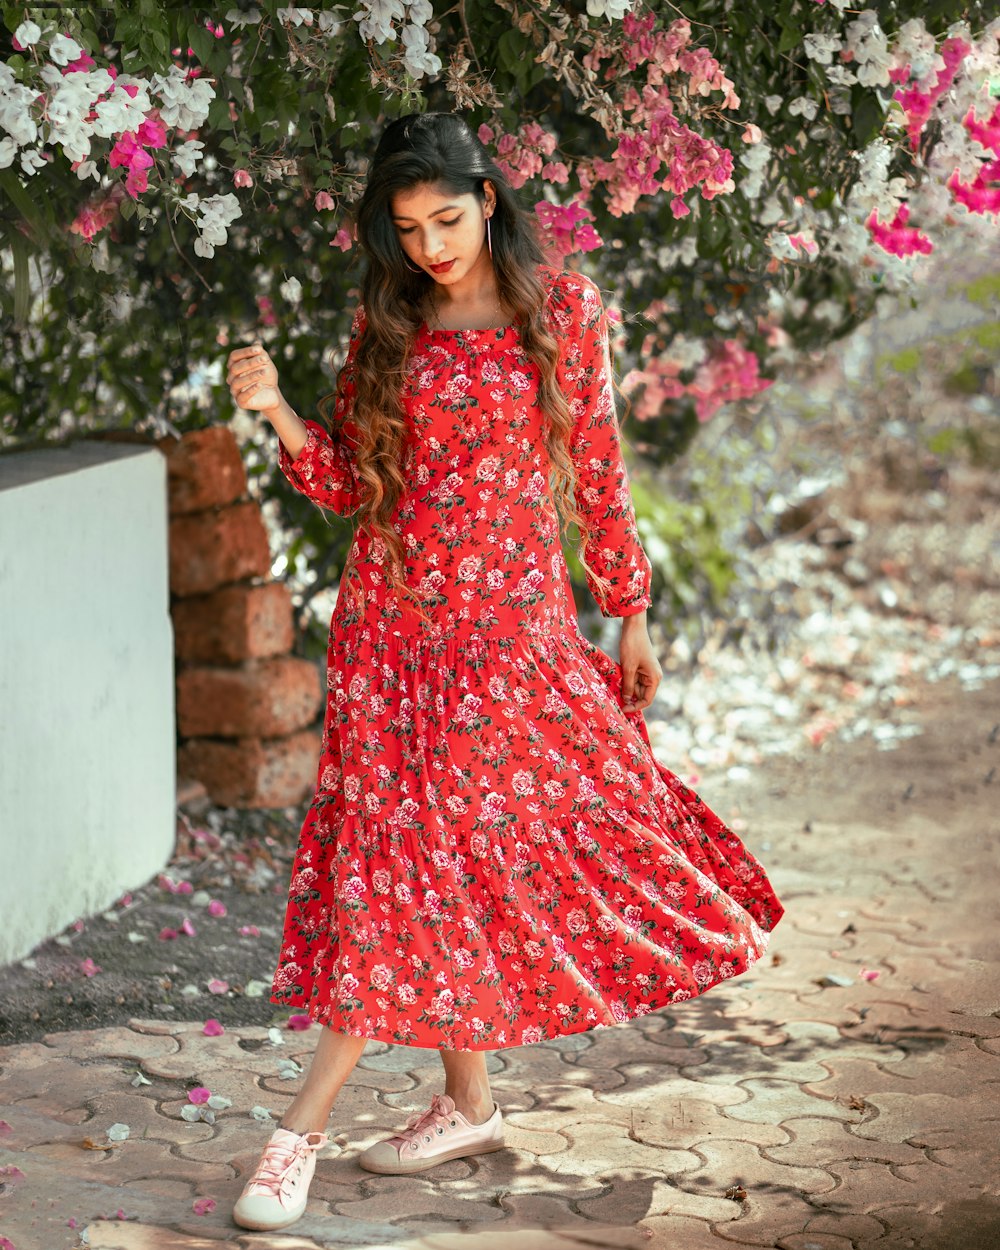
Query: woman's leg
[331,1065]
[468,1084]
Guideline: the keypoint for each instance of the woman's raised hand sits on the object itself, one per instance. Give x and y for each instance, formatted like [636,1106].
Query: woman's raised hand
[252,379]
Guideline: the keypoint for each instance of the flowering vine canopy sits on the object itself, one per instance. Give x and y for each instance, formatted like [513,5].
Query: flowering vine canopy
[742,180]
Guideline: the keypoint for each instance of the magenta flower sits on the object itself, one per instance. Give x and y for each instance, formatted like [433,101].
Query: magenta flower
[88,967]
[896,237]
[299,1022]
[216,907]
[199,1095]
[212,1028]
[203,1206]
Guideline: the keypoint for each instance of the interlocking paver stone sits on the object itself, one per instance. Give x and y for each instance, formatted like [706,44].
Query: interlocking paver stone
[595,1147]
[727,1163]
[816,1141]
[768,1216]
[105,1043]
[680,1123]
[402,1198]
[680,1232]
[816,1241]
[771,1100]
[644,1083]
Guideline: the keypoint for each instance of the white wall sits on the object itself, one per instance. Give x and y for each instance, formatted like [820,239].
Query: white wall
[87,739]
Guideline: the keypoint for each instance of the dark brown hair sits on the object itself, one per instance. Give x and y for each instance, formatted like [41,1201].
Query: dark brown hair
[439,149]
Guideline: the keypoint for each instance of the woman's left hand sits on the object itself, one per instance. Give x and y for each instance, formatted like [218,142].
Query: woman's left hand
[641,671]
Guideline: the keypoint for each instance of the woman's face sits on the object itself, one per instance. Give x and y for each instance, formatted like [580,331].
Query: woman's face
[438,228]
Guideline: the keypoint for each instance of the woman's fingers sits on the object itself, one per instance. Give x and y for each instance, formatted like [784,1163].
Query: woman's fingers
[248,362]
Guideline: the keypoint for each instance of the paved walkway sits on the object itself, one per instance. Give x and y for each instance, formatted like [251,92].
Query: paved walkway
[804,1106]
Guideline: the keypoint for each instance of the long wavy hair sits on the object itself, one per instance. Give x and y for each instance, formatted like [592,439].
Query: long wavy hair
[441,149]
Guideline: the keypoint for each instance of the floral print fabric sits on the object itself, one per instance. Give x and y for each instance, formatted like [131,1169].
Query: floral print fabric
[493,855]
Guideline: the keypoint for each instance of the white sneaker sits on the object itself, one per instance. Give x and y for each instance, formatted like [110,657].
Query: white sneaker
[431,1137]
[276,1194]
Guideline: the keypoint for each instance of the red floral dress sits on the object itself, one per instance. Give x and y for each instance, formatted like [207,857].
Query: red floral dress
[494,856]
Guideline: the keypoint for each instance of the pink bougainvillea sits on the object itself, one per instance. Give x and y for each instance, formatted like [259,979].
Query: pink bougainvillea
[566,228]
[896,236]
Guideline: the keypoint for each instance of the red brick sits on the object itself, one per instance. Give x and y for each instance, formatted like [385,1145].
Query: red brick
[250,772]
[259,699]
[204,470]
[210,549]
[235,623]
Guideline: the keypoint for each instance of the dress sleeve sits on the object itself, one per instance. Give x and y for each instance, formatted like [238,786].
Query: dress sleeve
[602,494]
[324,470]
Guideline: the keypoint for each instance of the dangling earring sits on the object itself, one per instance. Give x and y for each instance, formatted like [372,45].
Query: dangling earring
[417,269]
[489,236]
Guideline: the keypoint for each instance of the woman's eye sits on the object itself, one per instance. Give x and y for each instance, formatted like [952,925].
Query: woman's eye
[454,222]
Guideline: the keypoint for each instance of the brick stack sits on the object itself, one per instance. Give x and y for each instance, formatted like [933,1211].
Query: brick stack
[244,704]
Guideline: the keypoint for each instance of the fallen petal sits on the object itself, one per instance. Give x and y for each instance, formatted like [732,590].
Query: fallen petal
[118,1132]
[199,1094]
[299,1022]
[217,986]
[202,1206]
[834,978]
[262,1114]
[10,1177]
[188,928]
[213,1028]
[216,908]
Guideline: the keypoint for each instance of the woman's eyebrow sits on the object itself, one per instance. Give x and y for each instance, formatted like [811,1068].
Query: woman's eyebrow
[447,208]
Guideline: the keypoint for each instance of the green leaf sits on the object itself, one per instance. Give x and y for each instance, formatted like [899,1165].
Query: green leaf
[18,247]
[867,117]
[791,37]
[202,41]
[218,114]
[511,50]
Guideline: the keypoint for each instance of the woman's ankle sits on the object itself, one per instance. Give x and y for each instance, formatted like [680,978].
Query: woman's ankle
[477,1108]
[303,1124]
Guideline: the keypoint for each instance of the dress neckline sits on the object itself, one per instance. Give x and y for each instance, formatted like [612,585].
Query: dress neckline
[496,331]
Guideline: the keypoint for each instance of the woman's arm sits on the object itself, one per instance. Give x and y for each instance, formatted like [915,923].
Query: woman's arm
[602,493]
[320,465]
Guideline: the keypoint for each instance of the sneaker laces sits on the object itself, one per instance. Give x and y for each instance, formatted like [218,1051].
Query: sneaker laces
[278,1161]
[439,1113]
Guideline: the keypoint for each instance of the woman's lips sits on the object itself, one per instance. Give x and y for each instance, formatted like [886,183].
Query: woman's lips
[441,268]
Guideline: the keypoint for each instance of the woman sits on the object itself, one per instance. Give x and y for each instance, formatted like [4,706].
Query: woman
[493,856]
